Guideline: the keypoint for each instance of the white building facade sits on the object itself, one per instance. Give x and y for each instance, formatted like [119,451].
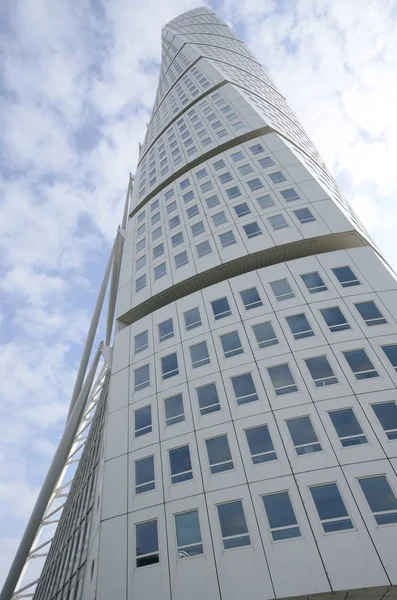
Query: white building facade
[250,441]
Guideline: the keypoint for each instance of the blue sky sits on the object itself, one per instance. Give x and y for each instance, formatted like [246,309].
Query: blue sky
[77,83]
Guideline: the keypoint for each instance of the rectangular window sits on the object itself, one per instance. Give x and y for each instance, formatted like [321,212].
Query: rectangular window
[221,308]
[206,187]
[154,205]
[166,330]
[347,427]
[208,399]
[168,194]
[171,207]
[386,413]
[233,525]
[289,195]
[212,201]
[345,276]
[321,371]
[174,222]
[252,230]
[299,326]
[219,218]
[181,259]
[314,283]
[141,341]
[140,263]
[265,201]
[255,184]
[233,192]
[141,378]
[199,355]
[256,149]
[391,353]
[192,211]
[219,164]
[144,475]
[335,319]
[360,364]
[174,412]
[281,516]
[242,209]
[147,544]
[278,222]
[188,196]
[177,239]
[141,230]
[160,271]
[180,464]
[140,283]
[331,508]
[169,366]
[192,318]
[143,420]
[282,380]
[158,251]
[227,239]
[245,169]
[244,389]
[277,177]
[201,174]
[381,498]
[251,298]
[304,215]
[303,435]
[264,334]
[184,184]
[197,228]
[260,444]
[156,233]
[188,534]
[370,313]
[219,456]
[282,290]
[231,344]
[225,177]
[266,162]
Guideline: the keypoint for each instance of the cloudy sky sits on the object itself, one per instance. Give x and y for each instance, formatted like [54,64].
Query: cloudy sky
[77,80]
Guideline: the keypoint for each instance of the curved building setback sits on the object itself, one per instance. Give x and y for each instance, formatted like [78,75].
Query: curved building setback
[250,442]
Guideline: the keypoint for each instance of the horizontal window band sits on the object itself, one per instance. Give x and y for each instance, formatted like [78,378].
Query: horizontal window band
[245,264]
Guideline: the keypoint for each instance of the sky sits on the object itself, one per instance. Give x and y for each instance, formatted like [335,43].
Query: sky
[77,82]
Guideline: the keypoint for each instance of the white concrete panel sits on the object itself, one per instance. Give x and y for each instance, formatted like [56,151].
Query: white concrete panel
[114,491]
[112,565]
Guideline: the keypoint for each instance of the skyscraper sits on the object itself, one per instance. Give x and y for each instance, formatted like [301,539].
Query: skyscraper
[246,445]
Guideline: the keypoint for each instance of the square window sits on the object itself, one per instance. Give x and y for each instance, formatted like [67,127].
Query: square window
[303,435]
[304,215]
[266,162]
[345,276]
[299,326]
[281,516]
[255,184]
[237,156]
[386,413]
[158,251]
[144,475]
[245,169]
[140,263]
[265,335]
[140,283]
[160,271]
[260,444]
[231,344]
[147,544]
[314,283]
[181,259]
[233,525]
[219,455]
[233,192]
[141,341]
[225,177]
[277,177]
[208,399]
[256,149]
[252,230]
[174,222]
[289,195]
[334,318]
[219,218]
[177,239]
[166,330]
[199,355]
[347,427]
[192,211]
[227,239]
[282,290]
[265,201]
[192,319]
[282,380]
[360,364]
[331,508]
[174,412]
[278,222]
[180,464]
[206,186]
[221,308]
[143,421]
[321,371]
[169,366]
[244,389]
[141,378]
[188,534]
[212,201]
[370,313]
[219,164]
[381,498]
[242,209]
[391,353]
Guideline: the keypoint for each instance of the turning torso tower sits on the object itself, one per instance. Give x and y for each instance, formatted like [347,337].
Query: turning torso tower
[248,448]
